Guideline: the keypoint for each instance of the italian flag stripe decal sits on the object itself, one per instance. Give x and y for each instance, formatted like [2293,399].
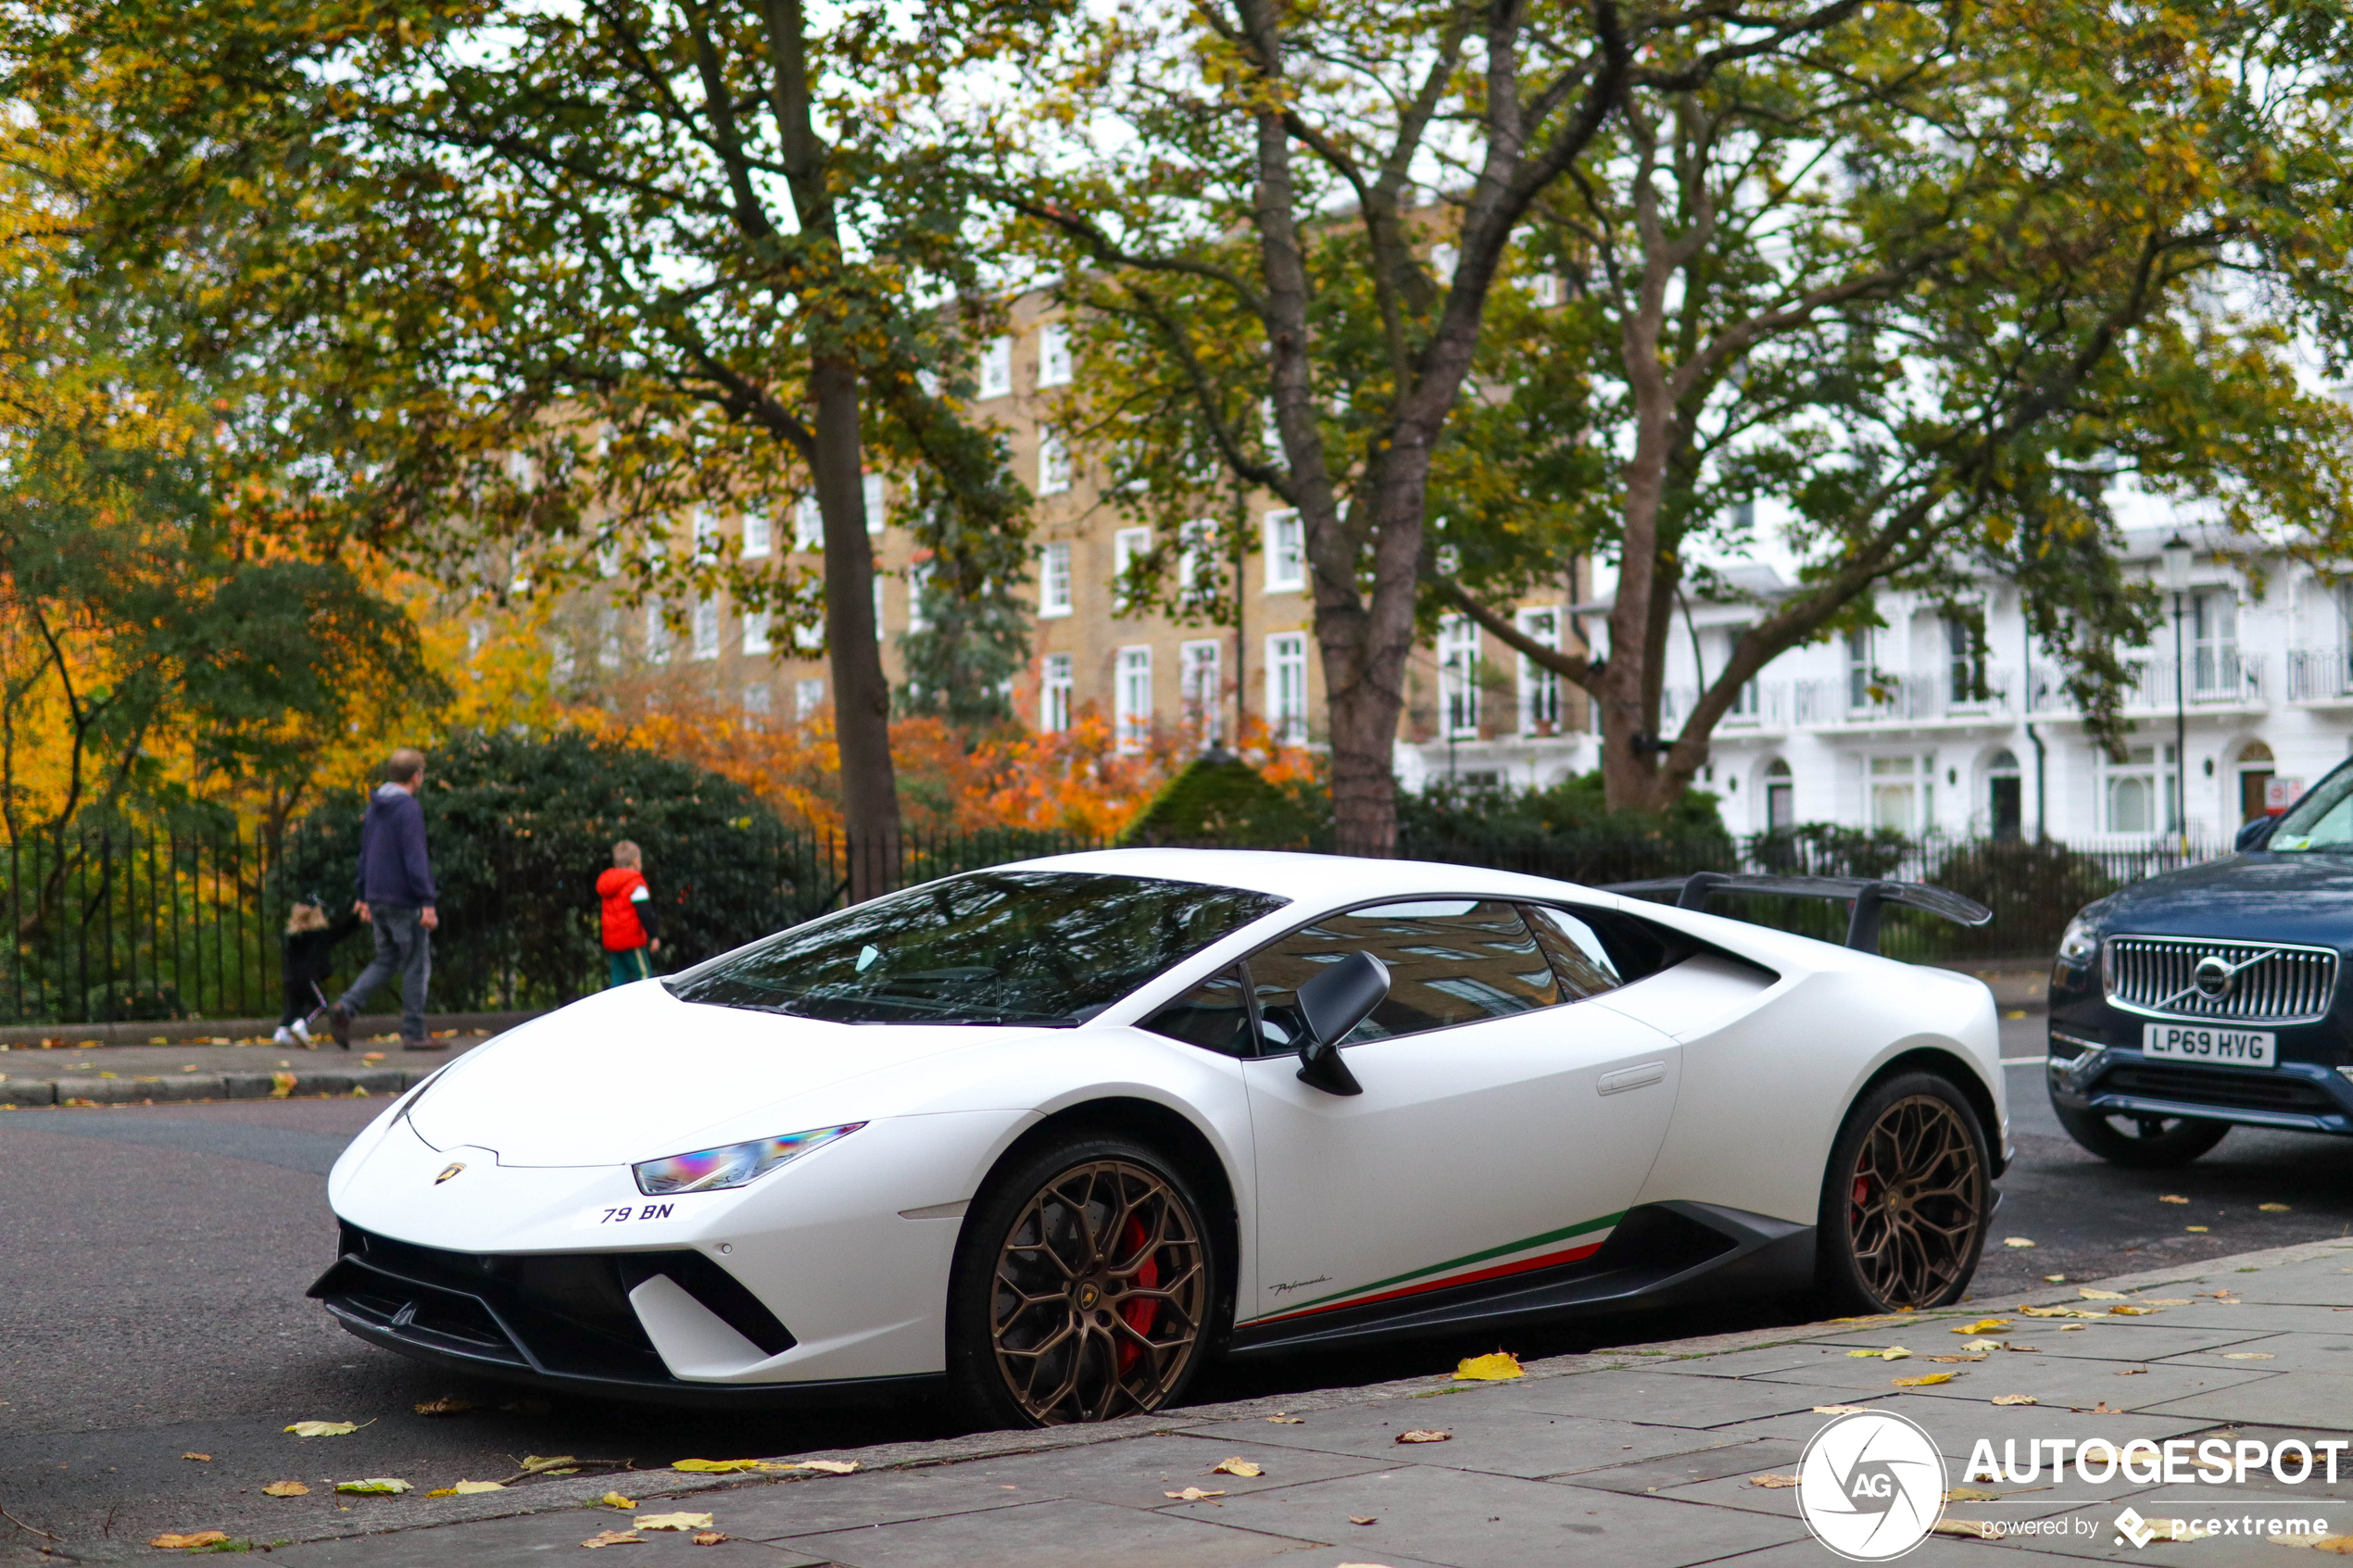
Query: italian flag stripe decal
[1438,1276]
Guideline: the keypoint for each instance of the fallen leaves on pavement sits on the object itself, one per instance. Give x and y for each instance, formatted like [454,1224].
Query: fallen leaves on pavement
[2272,1208]
[1971,1494]
[207,1458]
[181,1543]
[546,1465]
[614,1499]
[375,1486]
[1928,1381]
[613,1537]
[1979,1357]
[1981,1346]
[1491,1368]
[281,1085]
[682,1523]
[1983,1326]
[1839,1409]
[2165,1301]
[1281,1419]
[2195,1230]
[2133,1312]
[285,1489]
[1773,1483]
[1363,1519]
[2340,1544]
[1421,1434]
[2248,1356]
[1973,1529]
[2015,1399]
[2016,1241]
[323,1428]
[1191,1494]
[2171,1198]
[1893,1353]
[467,1490]
[2058,1313]
[822,1466]
[2089,1294]
[708,1538]
[448,1404]
[2133,1371]
[1236,1466]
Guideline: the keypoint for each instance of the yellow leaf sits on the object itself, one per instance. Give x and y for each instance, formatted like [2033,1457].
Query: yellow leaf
[2342,1545]
[1928,1380]
[708,1538]
[2248,1356]
[1773,1483]
[2134,1312]
[1951,1359]
[2171,1198]
[2195,1230]
[2089,1294]
[539,1464]
[1492,1368]
[207,1458]
[1971,1493]
[2272,1208]
[1983,1326]
[1839,1409]
[1191,1494]
[1983,1345]
[448,1404]
[383,1486]
[2016,1241]
[614,1499]
[281,1085]
[716,1466]
[2165,1301]
[1421,1436]
[1287,1420]
[2015,1399]
[822,1466]
[1974,1529]
[323,1428]
[468,1488]
[285,1489]
[613,1537]
[679,1522]
[1241,1467]
[201,1538]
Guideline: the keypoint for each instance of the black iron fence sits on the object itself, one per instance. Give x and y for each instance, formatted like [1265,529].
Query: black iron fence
[130,925]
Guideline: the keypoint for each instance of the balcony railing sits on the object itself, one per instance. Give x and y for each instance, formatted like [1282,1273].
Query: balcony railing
[2213,677]
[2320,674]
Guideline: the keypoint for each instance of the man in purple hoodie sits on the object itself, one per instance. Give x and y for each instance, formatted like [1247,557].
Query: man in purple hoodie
[395,897]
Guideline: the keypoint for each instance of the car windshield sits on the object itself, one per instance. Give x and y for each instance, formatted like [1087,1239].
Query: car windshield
[1012,946]
[2322,821]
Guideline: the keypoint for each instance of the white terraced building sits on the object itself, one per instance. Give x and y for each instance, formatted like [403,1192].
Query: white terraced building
[1922,728]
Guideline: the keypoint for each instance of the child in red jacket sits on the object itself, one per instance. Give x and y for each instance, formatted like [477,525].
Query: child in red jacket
[627,917]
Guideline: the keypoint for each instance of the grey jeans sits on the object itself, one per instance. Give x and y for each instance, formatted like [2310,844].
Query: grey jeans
[403,947]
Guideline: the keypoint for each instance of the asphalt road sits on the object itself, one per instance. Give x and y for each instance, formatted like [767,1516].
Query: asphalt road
[156,1259]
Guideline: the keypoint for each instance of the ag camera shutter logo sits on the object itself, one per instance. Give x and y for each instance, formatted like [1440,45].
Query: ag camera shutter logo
[1870,1486]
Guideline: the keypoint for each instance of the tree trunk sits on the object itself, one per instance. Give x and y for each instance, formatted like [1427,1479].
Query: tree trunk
[861,693]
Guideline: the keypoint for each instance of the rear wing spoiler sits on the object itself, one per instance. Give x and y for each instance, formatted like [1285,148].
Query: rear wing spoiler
[1868,896]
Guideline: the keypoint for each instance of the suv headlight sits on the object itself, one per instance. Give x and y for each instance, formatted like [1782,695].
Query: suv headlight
[731,1165]
[2080,944]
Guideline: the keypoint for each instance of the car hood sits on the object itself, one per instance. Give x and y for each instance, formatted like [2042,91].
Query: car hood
[2261,897]
[634,1074]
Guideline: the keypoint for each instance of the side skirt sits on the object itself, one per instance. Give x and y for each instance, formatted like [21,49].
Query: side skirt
[1660,1254]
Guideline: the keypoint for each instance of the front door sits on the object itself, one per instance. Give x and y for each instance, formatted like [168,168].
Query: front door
[1503,1128]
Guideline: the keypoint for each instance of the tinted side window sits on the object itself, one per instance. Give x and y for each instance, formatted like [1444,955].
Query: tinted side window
[1214,1015]
[1579,957]
[1450,962]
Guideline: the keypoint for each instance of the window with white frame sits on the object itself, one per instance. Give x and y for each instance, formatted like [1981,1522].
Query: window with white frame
[1540,689]
[1128,546]
[1132,698]
[756,540]
[706,532]
[807,525]
[1054,354]
[1861,672]
[1900,790]
[608,637]
[1197,558]
[1458,675]
[2138,795]
[1053,464]
[657,634]
[874,494]
[1054,579]
[755,701]
[1780,796]
[1287,686]
[1286,553]
[997,367]
[756,631]
[918,578]
[1200,665]
[810,636]
[1747,701]
[807,696]
[706,624]
[1965,659]
[2214,642]
[1055,686]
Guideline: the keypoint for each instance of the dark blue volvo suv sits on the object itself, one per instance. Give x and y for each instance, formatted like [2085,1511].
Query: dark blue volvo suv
[2209,997]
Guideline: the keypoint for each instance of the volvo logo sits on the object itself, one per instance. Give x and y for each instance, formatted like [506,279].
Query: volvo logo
[2213,977]
[448,1171]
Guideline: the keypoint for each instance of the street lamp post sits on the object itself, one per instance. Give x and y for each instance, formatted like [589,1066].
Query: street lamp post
[2178,553]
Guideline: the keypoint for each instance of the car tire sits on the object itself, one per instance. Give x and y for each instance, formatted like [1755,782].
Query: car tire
[1907,1198]
[2154,1143]
[1086,1287]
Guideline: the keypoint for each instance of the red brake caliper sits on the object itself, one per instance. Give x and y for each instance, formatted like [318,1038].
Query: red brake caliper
[1862,1193]
[1138,1315]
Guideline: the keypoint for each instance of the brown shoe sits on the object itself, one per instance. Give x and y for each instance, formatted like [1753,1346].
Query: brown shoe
[424,1045]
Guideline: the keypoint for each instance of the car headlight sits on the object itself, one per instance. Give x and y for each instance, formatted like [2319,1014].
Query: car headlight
[732,1165]
[2080,944]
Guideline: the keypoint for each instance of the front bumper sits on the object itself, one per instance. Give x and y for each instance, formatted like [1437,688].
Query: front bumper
[2303,1097]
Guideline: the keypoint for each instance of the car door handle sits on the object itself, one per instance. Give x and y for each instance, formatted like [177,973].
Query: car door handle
[1637,1077]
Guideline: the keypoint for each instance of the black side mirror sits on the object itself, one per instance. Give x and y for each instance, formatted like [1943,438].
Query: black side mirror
[2255,834]
[1330,1005]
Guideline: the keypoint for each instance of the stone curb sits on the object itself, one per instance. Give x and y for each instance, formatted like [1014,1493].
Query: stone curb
[560,1495]
[191,1087]
[198,1031]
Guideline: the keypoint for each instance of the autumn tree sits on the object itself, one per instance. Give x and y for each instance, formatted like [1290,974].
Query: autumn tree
[1935,283]
[533,285]
[1242,190]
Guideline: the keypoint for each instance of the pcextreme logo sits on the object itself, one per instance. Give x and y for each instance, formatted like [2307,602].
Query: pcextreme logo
[1870,1486]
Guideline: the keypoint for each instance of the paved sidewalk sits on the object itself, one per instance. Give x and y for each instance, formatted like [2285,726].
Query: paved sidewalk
[1639,1458]
[163,1074]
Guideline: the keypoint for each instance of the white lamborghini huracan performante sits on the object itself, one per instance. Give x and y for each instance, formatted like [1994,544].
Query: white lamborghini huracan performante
[1056,1133]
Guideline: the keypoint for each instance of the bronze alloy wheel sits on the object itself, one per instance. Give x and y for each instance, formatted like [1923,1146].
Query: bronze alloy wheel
[1099,1295]
[1916,1203]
